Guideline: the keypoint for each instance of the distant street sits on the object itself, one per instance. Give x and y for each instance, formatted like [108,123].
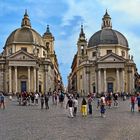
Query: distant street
[32,123]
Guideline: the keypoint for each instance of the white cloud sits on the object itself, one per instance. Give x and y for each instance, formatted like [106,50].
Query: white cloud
[128,9]
[123,12]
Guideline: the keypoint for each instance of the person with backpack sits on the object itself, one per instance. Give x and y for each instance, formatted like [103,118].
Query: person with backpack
[70,105]
[2,103]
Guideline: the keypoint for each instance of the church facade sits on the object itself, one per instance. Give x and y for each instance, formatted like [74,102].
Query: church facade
[28,61]
[102,64]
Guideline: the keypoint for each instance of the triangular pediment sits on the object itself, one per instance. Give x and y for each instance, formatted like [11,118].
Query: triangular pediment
[112,57]
[21,55]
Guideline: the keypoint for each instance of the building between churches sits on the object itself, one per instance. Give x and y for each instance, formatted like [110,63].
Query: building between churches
[102,64]
[28,61]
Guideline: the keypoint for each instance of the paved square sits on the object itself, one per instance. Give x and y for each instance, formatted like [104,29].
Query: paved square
[32,123]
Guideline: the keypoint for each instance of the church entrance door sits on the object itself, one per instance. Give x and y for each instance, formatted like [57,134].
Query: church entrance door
[23,86]
[110,87]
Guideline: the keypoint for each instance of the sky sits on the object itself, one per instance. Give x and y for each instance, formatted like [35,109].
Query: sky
[65,18]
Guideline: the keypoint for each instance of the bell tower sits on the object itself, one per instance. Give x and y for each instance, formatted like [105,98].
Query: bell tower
[81,45]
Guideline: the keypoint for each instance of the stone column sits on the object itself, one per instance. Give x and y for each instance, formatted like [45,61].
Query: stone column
[16,84]
[10,80]
[46,79]
[105,80]
[38,80]
[99,81]
[130,81]
[118,81]
[29,79]
[85,81]
[133,80]
[34,79]
[123,82]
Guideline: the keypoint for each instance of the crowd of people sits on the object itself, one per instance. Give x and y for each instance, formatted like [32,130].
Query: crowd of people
[86,106]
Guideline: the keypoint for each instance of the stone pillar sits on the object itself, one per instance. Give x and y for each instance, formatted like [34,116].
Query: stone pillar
[105,81]
[10,80]
[118,81]
[34,79]
[130,81]
[133,80]
[38,80]
[29,79]
[46,79]
[123,82]
[99,81]
[85,82]
[16,84]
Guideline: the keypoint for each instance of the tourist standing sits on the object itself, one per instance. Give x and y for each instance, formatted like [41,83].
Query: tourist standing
[90,105]
[84,107]
[75,105]
[42,101]
[138,101]
[133,100]
[115,98]
[2,102]
[109,98]
[102,106]
[70,105]
[36,98]
[61,98]
[46,101]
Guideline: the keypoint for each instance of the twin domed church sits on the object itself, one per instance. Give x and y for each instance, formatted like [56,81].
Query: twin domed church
[28,61]
[102,64]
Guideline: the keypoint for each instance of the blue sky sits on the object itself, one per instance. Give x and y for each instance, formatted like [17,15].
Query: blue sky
[65,18]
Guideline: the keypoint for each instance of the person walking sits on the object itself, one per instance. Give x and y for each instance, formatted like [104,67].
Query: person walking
[75,105]
[84,107]
[2,102]
[133,100]
[70,105]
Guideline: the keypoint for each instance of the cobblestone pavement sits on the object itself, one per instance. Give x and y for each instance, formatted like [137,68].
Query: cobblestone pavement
[32,123]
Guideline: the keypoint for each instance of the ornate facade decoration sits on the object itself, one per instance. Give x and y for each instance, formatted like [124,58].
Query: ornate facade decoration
[102,64]
[28,61]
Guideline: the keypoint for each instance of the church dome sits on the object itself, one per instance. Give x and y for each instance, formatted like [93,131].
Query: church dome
[107,35]
[25,34]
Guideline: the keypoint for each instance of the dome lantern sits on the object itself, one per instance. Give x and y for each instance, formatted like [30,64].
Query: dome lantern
[26,21]
[106,21]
